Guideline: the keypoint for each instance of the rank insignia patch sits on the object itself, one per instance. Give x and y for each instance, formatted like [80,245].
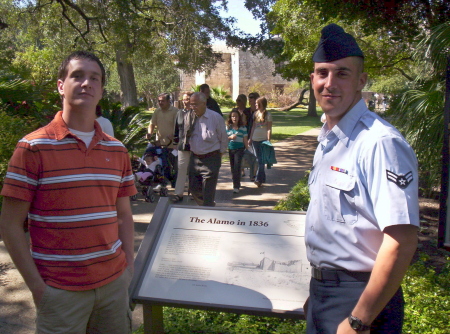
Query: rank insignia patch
[402,181]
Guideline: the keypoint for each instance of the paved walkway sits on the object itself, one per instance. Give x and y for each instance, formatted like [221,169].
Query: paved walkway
[294,157]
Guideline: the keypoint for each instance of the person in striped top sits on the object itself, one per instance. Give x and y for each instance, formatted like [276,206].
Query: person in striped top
[73,182]
[237,134]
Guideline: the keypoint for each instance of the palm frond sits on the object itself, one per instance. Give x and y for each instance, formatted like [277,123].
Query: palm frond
[14,90]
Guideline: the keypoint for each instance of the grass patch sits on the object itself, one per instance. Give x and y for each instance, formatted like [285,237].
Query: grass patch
[289,123]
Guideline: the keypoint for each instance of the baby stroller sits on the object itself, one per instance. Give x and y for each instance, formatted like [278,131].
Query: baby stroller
[153,184]
[168,159]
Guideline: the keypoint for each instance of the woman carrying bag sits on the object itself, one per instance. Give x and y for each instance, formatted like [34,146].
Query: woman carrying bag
[261,131]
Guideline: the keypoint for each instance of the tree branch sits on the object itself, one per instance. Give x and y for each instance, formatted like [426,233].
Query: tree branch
[393,66]
[86,19]
[403,73]
[64,14]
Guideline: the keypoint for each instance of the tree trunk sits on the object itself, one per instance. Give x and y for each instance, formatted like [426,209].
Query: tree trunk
[127,82]
[299,102]
[312,111]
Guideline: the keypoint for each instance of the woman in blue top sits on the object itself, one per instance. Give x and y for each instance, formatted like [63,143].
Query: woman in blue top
[237,134]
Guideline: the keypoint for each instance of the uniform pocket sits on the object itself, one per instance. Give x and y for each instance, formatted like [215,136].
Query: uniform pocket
[339,197]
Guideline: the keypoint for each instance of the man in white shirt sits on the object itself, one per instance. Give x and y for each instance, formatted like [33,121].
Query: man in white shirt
[208,141]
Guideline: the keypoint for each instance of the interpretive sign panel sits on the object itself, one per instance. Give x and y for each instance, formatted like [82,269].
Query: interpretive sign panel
[228,259]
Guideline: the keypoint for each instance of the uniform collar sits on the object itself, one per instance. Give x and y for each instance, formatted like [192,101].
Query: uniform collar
[347,124]
[61,130]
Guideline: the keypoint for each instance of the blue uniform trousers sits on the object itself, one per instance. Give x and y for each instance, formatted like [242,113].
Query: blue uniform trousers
[331,302]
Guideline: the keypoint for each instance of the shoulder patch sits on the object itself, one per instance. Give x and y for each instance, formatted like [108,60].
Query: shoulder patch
[401,180]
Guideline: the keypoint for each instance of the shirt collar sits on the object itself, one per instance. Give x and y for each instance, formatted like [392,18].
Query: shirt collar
[61,130]
[347,124]
[207,113]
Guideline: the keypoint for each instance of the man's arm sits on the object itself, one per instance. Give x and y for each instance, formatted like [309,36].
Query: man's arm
[150,130]
[126,228]
[269,130]
[393,259]
[14,213]
[222,134]
[251,134]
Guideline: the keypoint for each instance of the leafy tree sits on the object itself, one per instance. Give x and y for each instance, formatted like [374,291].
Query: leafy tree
[387,33]
[156,75]
[122,29]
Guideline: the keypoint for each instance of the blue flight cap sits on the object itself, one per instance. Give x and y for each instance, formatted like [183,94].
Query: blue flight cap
[335,44]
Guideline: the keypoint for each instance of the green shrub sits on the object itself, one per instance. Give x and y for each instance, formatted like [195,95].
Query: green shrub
[12,129]
[226,102]
[298,197]
[187,321]
[427,296]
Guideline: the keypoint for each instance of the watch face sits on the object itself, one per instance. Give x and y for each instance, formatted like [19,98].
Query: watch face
[357,324]
[354,324]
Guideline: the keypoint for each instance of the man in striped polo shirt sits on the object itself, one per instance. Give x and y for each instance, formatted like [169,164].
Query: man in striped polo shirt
[73,182]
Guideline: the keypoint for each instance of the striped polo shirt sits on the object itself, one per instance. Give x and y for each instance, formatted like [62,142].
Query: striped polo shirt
[237,142]
[73,190]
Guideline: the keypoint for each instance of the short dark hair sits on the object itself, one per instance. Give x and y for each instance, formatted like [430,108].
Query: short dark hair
[253,95]
[165,95]
[203,87]
[243,98]
[62,72]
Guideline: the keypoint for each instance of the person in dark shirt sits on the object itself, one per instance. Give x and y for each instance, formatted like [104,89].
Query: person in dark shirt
[210,102]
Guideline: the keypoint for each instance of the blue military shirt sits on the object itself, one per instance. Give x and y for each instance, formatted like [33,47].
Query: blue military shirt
[364,178]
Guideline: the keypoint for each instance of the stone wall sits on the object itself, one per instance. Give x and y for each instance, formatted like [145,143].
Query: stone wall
[187,82]
[237,73]
[221,75]
[257,69]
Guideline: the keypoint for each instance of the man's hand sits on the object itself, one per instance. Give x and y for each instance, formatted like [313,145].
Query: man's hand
[344,328]
[38,292]
[126,229]
[149,136]
[13,214]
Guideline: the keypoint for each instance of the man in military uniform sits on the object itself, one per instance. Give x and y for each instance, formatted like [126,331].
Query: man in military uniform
[361,224]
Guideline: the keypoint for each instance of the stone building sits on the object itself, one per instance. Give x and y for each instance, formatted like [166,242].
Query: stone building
[237,72]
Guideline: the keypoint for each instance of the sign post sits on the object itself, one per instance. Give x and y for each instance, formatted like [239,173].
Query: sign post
[444,212]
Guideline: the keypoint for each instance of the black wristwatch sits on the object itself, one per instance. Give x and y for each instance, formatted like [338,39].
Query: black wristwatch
[357,324]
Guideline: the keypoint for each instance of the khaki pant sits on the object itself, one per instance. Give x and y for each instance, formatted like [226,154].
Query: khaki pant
[102,310]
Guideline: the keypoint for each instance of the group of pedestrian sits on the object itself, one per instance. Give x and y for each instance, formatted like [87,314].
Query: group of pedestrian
[201,138]
[73,182]
[248,127]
